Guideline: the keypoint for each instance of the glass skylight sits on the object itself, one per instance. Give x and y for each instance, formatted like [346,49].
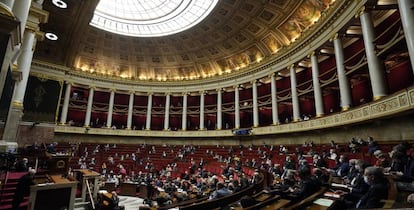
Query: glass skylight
[150,18]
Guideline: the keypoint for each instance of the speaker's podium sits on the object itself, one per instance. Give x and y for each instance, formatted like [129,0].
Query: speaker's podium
[57,164]
[58,193]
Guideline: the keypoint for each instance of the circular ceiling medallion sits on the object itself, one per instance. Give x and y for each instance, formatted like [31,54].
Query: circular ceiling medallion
[150,18]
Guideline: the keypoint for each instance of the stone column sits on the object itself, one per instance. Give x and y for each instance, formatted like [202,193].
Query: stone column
[64,114]
[275,111]
[130,110]
[255,105]
[21,11]
[376,68]
[31,34]
[295,98]
[236,107]
[407,18]
[149,109]
[184,114]
[219,110]
[344,88]
[202,110]
[16,107]
[89,107]
[167,111]
[316,86]
[110,109]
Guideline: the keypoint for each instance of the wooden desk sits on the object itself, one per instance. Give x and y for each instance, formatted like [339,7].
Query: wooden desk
[59,194]
[276,205]
[59,179]
[88,176]
[109,186]
[129,188]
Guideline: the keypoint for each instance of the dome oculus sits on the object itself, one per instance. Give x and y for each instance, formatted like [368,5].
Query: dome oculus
[150,18]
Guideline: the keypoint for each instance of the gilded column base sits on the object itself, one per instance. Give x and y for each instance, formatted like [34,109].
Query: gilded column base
[320,115]
[345,108]
[296,120]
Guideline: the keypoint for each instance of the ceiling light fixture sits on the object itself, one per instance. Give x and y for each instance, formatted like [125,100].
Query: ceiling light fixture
[60,4]
[51,36]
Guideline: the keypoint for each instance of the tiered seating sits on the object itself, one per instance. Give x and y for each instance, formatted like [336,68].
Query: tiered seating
[8,189]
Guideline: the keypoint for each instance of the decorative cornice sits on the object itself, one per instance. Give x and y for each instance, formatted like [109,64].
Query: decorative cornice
[400,102]
[6,11]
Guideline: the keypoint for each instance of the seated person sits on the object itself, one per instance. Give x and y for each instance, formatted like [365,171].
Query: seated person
[221,191]
[378,189]
[283,185]
[163,198]
[308,185]
[357,187]
[110,201]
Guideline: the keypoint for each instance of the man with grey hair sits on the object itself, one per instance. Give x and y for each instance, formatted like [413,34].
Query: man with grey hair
[378,188]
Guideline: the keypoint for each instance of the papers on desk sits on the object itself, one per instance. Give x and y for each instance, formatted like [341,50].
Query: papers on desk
[323,202]
[339,185]
[45,184]
[332,195]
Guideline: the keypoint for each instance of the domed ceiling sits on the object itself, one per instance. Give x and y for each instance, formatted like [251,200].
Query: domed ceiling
[235,36]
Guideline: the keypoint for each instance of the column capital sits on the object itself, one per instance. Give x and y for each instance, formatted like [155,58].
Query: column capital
[219,89]
[202,92]
[38,16]
[293,65]
[69,83]
[314,52]
[150,93]
[131,92]
[335,36]
[253,81]
[92,87]
[112,89]
[236,86]
[273,74]
[360,12]
[167,93]
[184,93]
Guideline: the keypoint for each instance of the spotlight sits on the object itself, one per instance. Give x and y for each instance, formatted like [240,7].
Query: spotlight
[51,36]
[60,4]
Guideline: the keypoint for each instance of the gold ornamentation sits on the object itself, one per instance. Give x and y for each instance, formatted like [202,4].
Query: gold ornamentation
[60,164]
[6,10]
[17,104]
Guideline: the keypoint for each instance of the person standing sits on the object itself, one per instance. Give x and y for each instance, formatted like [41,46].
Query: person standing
[23,188]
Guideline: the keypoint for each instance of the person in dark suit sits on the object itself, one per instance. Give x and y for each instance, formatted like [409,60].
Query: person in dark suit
[356,187]
[342,169]
[221,191]
[23,188]
[308,185]
[378,189]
